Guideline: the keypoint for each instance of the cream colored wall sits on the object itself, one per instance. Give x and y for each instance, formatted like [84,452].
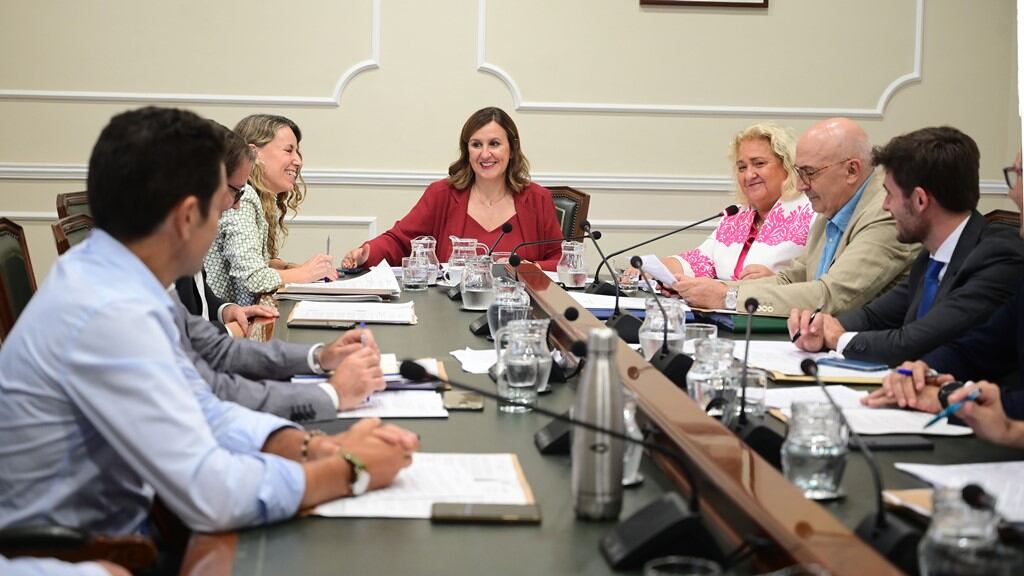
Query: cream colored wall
[633,105]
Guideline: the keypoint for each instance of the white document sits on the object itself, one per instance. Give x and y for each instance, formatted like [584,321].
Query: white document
[379,277]
[389,366]
[603,301]
[399,404]
[437,477]
[657,270]
[1000,479]
[785,357]
[872,421]
[476,361]
[554,277]
[785,397]
[371,312]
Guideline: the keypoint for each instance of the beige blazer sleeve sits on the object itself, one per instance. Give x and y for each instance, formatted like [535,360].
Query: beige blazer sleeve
[868,261]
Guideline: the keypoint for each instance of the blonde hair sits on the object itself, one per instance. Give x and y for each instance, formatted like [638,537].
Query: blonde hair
[258,130]
[783,145]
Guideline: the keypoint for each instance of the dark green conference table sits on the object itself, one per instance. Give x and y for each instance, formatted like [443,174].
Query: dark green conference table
[561,544]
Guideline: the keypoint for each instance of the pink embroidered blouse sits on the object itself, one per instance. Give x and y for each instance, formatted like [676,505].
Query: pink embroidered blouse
[733,245]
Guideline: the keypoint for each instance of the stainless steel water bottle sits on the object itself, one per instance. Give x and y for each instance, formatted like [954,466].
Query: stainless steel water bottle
[597,457]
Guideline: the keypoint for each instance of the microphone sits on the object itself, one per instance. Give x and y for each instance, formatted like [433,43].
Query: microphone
[890,535]
[515,260]
[599,287]
[759,436]
[687,533]
[626,325]
[505,229]
[673,365]
[976,497]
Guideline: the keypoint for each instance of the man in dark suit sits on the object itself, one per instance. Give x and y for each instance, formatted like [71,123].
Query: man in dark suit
[990,351]
[967,270]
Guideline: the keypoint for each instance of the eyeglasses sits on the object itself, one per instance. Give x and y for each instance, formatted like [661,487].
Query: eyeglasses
[237,191]
[809,174]
[1012,175]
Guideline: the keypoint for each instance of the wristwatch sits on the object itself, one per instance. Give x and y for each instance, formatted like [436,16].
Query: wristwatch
[360,481]
[945,390]
[730,297]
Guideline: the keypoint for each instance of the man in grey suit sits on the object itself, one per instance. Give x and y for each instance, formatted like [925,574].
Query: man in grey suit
[967,270]
[257,374]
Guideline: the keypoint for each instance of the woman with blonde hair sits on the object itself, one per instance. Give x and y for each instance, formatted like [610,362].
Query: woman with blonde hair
[487,187]
[771,228]
[244,262]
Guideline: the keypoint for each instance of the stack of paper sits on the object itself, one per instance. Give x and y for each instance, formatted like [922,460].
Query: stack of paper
[379,283]
[783,360]
[399,404]
[460,478]
[309,313]
[389,367]
[874,421]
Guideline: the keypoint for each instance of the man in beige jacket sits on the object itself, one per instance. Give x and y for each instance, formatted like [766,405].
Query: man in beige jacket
[852,253]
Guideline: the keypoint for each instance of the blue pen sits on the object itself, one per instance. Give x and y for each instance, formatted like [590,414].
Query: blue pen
[362,335]
[952,408]
[931,373]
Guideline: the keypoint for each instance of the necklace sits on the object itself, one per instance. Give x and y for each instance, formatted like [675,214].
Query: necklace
[480,198]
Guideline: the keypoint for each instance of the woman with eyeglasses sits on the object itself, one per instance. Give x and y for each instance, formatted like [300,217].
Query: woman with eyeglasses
[243,262]
[770,230]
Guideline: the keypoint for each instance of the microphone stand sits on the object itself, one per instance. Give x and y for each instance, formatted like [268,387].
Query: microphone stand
[892,536]
[455,292]
[681,528]
[626,325]
[599,287]
[757,434]
[673,365]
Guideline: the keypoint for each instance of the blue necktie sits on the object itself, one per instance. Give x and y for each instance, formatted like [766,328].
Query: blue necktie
[931,287]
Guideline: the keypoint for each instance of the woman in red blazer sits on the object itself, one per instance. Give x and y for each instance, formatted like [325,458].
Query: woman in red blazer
[488,186]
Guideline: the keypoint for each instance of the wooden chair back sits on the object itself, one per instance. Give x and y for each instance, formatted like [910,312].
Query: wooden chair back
[70,231]
[17,281]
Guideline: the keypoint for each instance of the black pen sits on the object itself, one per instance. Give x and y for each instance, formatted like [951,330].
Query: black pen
[815,313]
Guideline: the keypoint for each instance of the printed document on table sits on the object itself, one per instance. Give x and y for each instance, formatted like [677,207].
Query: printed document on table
[871,421]
[438,477]
[379,278]
[1000,479]
[785,358]
[605,302]
[785,397]
[370,312]
[399,404]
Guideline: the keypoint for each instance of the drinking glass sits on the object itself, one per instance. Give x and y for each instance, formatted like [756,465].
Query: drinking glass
[415,273]
[517,376]
[696,331]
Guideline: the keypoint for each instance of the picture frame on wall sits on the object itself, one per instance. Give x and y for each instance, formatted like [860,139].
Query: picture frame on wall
[712,3]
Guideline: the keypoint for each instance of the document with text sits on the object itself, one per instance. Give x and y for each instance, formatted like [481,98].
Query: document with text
[399,404]
[784,358]
[379,281]
[308,312]
[439,477]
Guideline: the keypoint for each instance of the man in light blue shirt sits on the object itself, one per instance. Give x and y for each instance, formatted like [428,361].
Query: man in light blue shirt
[100,408]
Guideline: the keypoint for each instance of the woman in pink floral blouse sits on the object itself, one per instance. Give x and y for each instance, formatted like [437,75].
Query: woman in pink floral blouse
[771,228]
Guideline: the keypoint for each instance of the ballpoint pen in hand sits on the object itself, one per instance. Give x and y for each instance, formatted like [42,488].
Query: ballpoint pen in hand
[796,335]
[326,279]
[954,407]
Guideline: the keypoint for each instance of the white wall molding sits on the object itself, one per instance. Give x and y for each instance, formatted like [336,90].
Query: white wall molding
[332,101]
[420,179]
[369,222]
[522,104]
